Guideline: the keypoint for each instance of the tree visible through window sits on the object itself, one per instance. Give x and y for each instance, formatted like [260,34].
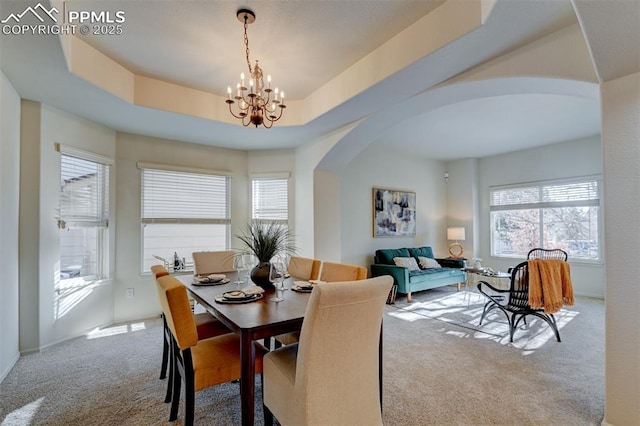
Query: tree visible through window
[83,215]
[550,215]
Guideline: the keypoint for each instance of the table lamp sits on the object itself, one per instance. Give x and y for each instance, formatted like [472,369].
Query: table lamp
[455,233]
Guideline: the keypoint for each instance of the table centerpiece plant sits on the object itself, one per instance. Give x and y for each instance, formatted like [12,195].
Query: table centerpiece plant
[265,240]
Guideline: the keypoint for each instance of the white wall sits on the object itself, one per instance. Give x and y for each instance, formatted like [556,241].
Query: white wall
[134,148]
[564,160]
[45,316]
[9,198]
[621,143]
[382,167]
[307,160]
[462,202]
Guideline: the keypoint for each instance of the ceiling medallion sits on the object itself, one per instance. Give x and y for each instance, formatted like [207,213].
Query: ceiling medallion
[258,104]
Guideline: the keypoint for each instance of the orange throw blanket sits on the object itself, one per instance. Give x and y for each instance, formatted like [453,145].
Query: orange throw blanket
[550,285]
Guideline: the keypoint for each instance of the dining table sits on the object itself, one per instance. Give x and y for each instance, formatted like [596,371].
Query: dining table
[260,319]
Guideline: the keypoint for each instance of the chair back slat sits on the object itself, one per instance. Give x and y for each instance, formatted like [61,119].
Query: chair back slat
[540,253]
[519,286]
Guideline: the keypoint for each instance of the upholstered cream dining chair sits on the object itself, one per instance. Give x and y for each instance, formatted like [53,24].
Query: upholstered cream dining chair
[211,262]
[332,272]
[206,325]
[331,377]
[303,268]
[199,363]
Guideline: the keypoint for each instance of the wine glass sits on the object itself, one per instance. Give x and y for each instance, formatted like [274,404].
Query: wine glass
[284,260]
[276,276]
[239,265]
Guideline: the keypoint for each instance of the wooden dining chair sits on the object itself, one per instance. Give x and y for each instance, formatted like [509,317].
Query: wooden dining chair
[303,268]
[200,363]
[212,262]
[334,272]
[206,325]
[332,376]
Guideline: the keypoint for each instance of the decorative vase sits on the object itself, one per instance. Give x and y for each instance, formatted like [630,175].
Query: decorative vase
[260,275]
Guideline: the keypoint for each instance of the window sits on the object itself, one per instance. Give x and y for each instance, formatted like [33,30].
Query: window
[83,217]
[550,215]
[270,198]
[183,212]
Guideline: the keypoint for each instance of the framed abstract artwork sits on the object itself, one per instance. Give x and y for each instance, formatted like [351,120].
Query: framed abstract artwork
[394,213]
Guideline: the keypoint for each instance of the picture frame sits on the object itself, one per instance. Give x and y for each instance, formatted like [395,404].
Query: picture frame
[394,212]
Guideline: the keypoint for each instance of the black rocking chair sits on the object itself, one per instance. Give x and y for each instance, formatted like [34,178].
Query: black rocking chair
[514,302]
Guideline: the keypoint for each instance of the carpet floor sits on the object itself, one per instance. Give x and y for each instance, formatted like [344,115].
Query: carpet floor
[440,368]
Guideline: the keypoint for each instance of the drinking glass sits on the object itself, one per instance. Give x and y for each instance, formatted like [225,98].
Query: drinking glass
[276,276]
[239,265]
[285,271]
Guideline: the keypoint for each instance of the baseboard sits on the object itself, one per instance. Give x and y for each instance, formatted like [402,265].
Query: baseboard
[84,333]
[6,372]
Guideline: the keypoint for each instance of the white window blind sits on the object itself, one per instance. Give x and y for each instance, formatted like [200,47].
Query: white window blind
[549,195]
[179,197]
[270,199]
[183,211]
[83,193]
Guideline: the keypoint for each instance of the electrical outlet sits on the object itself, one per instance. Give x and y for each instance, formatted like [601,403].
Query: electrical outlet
[130,293]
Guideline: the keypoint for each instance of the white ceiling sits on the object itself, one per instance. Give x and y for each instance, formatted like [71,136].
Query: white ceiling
[303,45]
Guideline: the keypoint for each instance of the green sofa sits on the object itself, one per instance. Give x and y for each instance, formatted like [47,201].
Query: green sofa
[424,279]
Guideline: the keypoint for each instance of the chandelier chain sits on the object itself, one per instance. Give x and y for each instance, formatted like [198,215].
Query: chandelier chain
[246,44]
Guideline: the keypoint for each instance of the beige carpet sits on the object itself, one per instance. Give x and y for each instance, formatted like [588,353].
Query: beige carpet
[441,368]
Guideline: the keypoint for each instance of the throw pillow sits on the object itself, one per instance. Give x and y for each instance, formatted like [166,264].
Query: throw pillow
[407,262]
[427,262]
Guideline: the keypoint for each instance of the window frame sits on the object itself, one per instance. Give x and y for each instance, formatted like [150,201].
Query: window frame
[99,222]
[163,168]
[540,206]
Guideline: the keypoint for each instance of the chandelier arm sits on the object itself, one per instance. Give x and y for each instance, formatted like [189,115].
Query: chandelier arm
[240,116]
[279,115]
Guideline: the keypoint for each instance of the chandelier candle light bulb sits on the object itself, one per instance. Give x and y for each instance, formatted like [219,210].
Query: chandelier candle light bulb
[255,105]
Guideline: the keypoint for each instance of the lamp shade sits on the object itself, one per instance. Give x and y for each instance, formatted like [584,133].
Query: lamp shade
[455,233]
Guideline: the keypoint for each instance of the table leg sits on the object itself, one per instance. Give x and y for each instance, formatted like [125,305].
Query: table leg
[247,378]
[380,367]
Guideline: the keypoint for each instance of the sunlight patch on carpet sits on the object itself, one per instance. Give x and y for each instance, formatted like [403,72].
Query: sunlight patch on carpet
[464,309]
[115,330]
[24,414]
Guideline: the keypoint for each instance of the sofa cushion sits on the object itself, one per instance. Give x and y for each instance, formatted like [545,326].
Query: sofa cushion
[425,251]
[385,256]
[427,262]
[407,262]
[431,273]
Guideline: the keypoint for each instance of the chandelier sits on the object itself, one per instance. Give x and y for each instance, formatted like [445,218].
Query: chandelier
[258,104]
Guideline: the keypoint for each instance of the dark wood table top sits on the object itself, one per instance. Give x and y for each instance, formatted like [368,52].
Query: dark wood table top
[263,318]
